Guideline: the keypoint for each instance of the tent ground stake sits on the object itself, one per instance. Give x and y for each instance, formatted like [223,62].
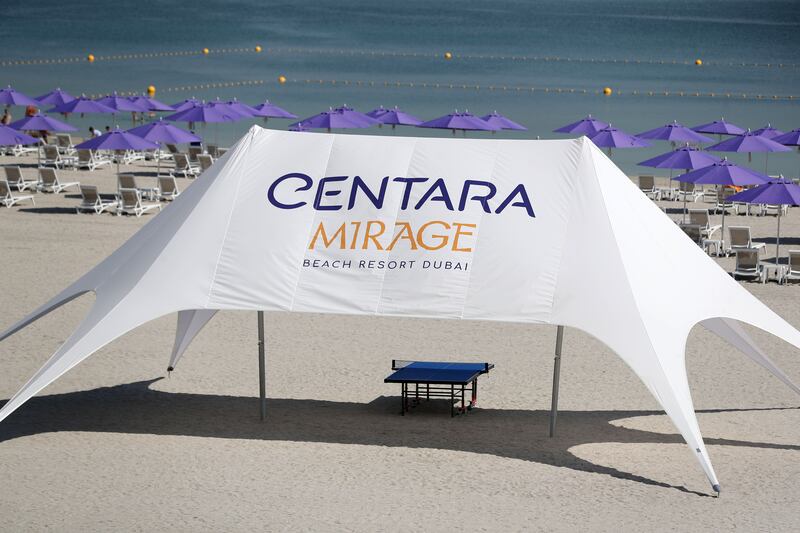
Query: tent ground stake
[262,373]
[556,377]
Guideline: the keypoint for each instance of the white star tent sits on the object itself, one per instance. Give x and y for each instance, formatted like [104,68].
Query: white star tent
[545,232]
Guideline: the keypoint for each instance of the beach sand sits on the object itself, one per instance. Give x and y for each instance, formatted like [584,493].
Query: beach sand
[116,444]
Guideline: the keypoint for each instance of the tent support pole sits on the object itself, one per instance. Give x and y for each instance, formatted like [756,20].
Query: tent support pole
[262,372]
[556,378]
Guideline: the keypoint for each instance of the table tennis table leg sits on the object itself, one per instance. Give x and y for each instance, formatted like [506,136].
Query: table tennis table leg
[452,400]
[463,408]
[474,401]
[403,399]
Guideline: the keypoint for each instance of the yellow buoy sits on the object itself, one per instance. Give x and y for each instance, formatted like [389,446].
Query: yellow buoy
[258,48]
[205,51]
[151,90]
[281,79]
[448,55]
[90,58]
[607,91]
[698,62]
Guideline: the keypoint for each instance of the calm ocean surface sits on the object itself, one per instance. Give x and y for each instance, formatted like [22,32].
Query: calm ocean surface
[721,33]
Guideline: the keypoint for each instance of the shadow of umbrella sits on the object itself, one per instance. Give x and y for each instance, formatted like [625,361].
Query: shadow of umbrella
[517,434]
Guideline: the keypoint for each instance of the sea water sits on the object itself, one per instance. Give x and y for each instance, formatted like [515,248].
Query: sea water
[334,40]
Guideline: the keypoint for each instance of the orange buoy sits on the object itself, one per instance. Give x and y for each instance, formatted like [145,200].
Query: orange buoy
[205,51]
[258,48]
[151,90]
[448,55]
[281,79]
[608,91]
[90,58]
[698,62]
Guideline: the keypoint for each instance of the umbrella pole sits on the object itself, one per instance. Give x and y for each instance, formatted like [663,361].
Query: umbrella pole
[778,241]
[722,239]
[684,208]
[262,370]
[556,379]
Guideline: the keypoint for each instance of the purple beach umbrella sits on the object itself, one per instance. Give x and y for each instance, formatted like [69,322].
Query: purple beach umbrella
[332,119]
[9,96]
[503,123]
[356,116]
[611,137]
[722,173]
[791,138]
[205,113]
[768,131]
[394,117]
[378,111]
[55,97]
[117,139]
[227,107]
[121,103]
[39,122]
[242,108]
[269,110]
[162,132]
[151,104]
[81,105]
[674,132]
[750,142]
[11,137]
[586,126]
[186,104]
[720,127]
[686,157]
[459,121]
[776,192]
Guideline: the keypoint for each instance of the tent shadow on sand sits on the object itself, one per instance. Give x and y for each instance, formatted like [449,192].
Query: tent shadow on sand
[517,434]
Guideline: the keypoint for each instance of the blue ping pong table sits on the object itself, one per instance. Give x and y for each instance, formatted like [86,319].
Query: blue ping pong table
[438,380]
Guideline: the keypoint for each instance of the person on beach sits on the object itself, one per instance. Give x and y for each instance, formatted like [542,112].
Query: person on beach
[6,118]
[31,110]
[94,132]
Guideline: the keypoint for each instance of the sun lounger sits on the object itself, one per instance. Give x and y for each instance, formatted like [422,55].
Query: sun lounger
[647,184]
[184,167]
[212,150]
[168,188]
[93,202]
[695,233]
[7,199]
[701,218]
[194,151]
[53,158]
[172,149]
[126,157]
[722,202]
[741,240]
[90,160]
[128,181]
[687,192]
[17,181]
[747,265]
[205,161]
[793,269]
[49,182]
[19,150]
[131,203]
[64,142]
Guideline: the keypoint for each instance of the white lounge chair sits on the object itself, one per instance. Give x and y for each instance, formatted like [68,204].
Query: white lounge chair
[172,149]
[184,167]
[205,161]
[20,150]
[722,202]
[747,265]
[128,181]
[126,157]
[701,218]
[49,182]
[695,233]
[168,188]
[93,202]
[741,240]
[53,158]
[131,203]
[687,192]
[90,160]
[212,150]
[7,199]
[65,146]
[793,271]
[17,181]
[647,184]
[194,151]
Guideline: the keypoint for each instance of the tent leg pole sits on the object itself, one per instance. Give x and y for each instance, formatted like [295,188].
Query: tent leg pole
[556,377]
[262,372]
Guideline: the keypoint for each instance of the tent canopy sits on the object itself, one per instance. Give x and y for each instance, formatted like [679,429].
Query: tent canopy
[547,232]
